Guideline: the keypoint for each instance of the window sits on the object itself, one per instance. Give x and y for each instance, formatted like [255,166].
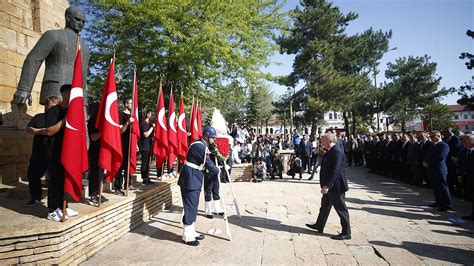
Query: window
[456,117]
[465,117]
[472,116]
[330,116]
[381,120]
[271,130]
[335,115]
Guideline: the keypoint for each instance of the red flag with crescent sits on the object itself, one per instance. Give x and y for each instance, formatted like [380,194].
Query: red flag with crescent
[172,133]
[193,123]
[135,130]
[74,150]
[160,146]
[199,120]
[108,123]
[182,133]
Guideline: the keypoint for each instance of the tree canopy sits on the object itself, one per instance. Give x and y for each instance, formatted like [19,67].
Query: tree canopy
[206,48]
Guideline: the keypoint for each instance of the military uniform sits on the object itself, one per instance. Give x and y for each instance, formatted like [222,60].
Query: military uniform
[190,181]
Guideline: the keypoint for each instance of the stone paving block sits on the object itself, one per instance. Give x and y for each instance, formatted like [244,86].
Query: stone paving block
[394,255]
[337,259]
[365,255]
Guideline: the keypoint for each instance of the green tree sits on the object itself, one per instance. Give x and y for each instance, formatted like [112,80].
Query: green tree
[201,46]
[439,116]
[333,65]
[465,91]
[413,86]
[260,107]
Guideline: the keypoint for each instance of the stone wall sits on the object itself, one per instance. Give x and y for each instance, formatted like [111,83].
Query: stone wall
[21,24]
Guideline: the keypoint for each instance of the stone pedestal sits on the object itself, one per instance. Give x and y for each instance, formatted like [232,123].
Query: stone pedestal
[21,24]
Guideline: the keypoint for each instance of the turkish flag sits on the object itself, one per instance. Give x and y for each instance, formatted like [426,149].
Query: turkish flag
[74,150]
[172,133]
[160,146]
[135,130]
[193,124]
[182,133]
[108,123]
[199,121]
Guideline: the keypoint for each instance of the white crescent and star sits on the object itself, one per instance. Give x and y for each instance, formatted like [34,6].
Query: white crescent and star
[161,119]
[181,122]
[173,121]
[75,92]
[111,98]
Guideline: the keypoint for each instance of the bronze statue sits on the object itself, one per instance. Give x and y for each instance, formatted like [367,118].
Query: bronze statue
[58,49]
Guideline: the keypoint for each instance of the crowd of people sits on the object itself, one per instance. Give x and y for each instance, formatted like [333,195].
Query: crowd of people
[440,161]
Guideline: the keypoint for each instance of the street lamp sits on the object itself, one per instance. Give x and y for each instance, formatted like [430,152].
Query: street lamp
[375,83]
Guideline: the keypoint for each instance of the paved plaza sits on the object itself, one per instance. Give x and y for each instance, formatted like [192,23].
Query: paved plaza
[390,225]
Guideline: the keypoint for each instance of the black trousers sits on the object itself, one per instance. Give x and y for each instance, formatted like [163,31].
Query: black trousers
[56,185]
[36,169]
[190,204]
[119,177]
[339,202]
[440,189]
[305,161]
[95,173]
[145,167]
[211,188]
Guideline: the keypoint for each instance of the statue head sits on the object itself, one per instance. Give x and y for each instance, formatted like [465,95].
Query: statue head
[75,19]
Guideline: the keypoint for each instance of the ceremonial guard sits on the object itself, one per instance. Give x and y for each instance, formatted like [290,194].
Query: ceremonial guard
[191,179]
[211,185]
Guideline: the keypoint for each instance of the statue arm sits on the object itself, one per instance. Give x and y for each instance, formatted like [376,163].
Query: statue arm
[31,66]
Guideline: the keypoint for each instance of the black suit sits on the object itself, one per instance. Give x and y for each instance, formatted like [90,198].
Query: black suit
[333,176]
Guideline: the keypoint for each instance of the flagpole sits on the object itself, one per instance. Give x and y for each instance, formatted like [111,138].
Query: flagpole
[130,128]
[64,196]
[152,144]
[101,186]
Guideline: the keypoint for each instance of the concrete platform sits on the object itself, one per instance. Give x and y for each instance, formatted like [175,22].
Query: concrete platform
[390,226]
[26,236]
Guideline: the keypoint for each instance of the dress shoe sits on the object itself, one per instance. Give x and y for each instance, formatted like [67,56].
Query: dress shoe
[311,178]
[192,243]
[200,237]
[218,213]
[341,237]
[313,226]
[209,216]
[445,209]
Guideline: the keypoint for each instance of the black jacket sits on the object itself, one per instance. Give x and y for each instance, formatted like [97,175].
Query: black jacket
[333,172]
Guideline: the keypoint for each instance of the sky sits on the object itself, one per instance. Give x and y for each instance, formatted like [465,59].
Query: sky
[433,27]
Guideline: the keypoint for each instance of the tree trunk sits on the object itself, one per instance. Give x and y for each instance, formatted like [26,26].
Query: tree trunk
[353,123]
[346,122]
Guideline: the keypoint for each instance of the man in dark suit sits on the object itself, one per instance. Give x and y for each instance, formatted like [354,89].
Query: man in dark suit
[333,181]
[455,146]
[191,179]
[306,150]
[435,162]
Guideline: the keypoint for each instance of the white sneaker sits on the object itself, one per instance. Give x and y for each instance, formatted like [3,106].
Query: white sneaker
[71,213]
[60,214]
[53,216]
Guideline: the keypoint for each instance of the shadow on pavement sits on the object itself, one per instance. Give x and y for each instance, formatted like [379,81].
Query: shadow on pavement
[437,252]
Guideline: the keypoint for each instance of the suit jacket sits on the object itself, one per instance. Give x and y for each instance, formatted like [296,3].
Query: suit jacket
[306,149]
[333,172]
[436,158]
[58,49]
[191,178]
